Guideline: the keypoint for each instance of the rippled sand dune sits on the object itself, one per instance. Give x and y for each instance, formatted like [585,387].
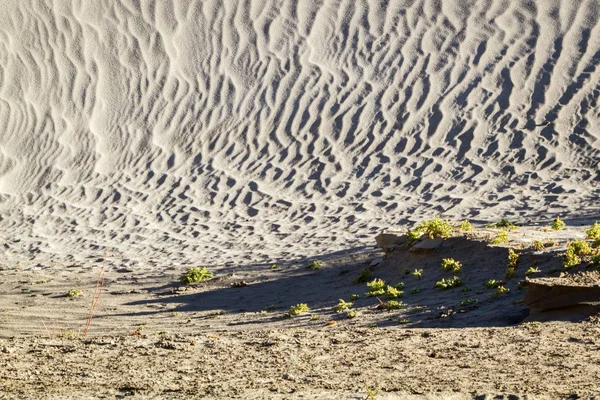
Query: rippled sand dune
[244,131]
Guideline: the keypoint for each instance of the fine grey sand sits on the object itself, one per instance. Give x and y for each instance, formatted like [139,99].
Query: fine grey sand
[240,134]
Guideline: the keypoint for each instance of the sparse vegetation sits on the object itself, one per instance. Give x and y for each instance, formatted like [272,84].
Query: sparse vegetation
[531,271]
[417,273]
[492,284]
[537,245]
[343,306]
[465,226]
[513,259]
[298,309]
[195,275]
[351,314]
[363,277]
[315,265]
[465,289]
[467,301]
[376,287]
[446,284]
[558,224]
[451,265]
[596,261]
[522,285]
[274,266]
[73,293]
[354,297]
[501,237]
[510,274]
[503,224]
[416,290]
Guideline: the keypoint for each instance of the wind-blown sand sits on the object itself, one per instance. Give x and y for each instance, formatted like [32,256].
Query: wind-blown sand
[239,134]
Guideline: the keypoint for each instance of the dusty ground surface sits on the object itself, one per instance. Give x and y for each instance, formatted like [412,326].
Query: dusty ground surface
[154,337]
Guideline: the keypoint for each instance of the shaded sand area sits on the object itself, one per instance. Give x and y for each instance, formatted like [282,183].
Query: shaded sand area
[231,337]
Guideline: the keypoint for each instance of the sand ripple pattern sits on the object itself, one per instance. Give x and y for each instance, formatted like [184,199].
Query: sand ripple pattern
[233,131]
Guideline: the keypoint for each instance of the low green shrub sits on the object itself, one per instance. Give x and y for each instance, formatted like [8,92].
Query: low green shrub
[446,284]
[195,275]
[451,265]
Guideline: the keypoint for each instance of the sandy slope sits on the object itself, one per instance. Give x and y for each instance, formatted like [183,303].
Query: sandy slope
[246,131]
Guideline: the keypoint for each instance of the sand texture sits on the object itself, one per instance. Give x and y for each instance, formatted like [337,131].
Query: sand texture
[241,131]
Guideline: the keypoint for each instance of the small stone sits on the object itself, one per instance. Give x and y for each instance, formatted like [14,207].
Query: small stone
[376,261]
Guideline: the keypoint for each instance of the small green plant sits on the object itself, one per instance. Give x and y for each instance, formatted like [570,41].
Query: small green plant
[371,393]
[446,284]
[274,266]
[596,261]
[451,265]
[558,224]
[298,309]
[416,290]
[467,301]
[492,284]
[465,289]
[343,306]
[500,290]
[417,273]
[522,285]
[510,274]
[394,305]
[392,292]
[465,226]
[593,233]
[351,314]
[437,228]
[160,333]
[532,270]
[354,297]
[363,277]
[503,224]
[315,317]
[501,237]
[537,245]
[531,324]
[575,250]
[73,292]
[315,265]
[513,259]
[195,275]
[376,288]
[412,235]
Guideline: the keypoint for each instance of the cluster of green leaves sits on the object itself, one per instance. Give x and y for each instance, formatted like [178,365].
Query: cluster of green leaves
[73,292]
[501,237]
[465,226]
[364,276]
[575,250]
[343,305]
[298,309]
[433,228]
[451,265]
[513,259]
[195,275]
[593,233]
[315,265]
[394,305]
[392,293]
[532,270]
[417,273]
[446,284]
[558,224]
[492,283]
[376,287]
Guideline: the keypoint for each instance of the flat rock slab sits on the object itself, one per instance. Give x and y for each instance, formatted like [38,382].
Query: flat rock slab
[427,245]
[390,240]
[579,293]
